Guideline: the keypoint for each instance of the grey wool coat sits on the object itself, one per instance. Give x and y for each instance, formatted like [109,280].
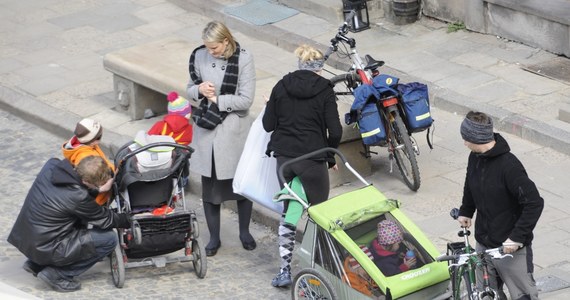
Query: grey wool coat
[228,138]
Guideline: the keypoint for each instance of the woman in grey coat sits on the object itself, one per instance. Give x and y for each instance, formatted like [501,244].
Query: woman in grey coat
[222,81]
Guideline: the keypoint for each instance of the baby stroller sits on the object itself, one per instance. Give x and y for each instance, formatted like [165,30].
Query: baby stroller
[149,185]
[337,239]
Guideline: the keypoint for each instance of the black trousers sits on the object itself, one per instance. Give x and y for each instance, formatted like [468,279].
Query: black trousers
[314,176]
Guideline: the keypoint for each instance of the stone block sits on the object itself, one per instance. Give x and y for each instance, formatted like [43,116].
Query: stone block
[564,113]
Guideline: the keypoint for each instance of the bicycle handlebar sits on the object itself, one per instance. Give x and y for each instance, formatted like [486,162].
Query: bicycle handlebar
[341,35]
[345,25]
[495,253]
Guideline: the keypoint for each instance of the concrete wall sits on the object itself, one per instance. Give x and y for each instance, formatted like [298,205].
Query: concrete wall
[446,10]
[538,23]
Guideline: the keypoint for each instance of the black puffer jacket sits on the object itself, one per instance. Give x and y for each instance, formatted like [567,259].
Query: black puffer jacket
[303,115]
[507,202]
[50,229]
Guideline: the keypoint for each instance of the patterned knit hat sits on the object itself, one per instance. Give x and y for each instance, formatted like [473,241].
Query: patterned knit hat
[389,233]
[88,130]
[178,105]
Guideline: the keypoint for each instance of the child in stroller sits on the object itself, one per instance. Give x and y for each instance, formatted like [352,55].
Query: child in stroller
[149,186]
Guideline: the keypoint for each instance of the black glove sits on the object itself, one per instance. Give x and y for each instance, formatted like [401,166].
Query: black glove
[125,221]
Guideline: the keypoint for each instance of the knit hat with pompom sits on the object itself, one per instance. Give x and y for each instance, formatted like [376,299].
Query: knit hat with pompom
[178,105]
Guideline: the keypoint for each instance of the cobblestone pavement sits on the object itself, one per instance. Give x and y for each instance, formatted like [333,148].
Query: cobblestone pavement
[51,52]
[232,274]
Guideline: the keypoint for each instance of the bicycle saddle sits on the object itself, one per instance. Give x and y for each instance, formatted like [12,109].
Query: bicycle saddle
[372,64]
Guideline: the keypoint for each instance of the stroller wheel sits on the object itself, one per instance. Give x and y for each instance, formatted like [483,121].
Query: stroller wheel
[118,267]
[137,233]
[312,284]
[195,228]
[200,263]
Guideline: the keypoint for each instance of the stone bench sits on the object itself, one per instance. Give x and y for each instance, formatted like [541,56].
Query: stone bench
[144,74]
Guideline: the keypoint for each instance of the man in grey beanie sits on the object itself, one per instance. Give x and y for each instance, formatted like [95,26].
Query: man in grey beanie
[507,202]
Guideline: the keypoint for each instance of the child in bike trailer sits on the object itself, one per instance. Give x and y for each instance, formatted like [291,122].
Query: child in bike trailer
[357,277]
[388,254]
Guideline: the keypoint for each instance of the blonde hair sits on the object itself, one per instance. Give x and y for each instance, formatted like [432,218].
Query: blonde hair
[308,53]
[218,32]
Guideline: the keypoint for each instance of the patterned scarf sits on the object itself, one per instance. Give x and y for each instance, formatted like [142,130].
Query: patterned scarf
[209,117]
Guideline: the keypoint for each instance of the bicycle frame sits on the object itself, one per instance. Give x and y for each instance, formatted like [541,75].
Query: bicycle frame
[464,265]
[401,147]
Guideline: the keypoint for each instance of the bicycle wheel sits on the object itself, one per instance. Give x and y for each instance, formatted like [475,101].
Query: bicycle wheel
[312,284]
[460,284]
[344,84]
[401,147]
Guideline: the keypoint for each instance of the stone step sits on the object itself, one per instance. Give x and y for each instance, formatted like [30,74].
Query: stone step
[329,10]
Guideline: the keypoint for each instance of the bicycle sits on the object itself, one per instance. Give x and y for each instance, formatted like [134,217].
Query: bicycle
[401,146]
[463,262]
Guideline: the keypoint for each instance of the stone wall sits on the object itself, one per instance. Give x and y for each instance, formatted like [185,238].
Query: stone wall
[542,24]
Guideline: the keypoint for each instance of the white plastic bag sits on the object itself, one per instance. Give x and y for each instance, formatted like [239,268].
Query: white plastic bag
[256,177]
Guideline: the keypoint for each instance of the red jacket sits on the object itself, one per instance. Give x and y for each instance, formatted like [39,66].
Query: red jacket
[175,126]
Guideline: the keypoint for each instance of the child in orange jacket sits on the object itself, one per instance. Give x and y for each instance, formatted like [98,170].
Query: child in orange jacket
[176,123]
[85,142]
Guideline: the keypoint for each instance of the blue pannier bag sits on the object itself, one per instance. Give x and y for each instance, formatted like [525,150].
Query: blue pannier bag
[415,100]
[371,126]
[365,113]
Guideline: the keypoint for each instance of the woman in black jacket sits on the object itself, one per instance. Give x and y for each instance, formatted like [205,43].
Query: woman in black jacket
[303,115]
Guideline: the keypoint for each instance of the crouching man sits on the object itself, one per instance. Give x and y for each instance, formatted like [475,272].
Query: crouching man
[51,229]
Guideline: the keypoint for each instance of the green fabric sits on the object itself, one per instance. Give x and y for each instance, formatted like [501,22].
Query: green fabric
[356,207]
[352,208]
[295,209]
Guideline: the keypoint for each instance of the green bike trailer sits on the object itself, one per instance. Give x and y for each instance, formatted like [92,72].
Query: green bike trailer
[340,230]
[351,219]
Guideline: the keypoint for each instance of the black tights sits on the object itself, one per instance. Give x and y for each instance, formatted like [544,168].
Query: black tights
[213,219]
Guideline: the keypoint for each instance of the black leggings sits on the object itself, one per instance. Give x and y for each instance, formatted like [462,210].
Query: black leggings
[314,176]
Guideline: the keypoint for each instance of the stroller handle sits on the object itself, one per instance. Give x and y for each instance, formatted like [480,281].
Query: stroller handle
[309,155]
[150,146]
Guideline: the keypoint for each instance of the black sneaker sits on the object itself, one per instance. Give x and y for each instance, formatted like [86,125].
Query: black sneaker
[51,277]
[32,268]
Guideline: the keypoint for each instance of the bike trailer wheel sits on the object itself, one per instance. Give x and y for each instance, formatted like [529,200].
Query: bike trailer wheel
[312,284]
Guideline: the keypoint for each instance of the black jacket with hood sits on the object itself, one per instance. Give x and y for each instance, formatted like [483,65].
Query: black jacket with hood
[507,202]
[303,115]
[50,229]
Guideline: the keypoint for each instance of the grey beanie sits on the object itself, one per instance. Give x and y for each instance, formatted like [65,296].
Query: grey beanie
[312,65]
[477,133]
